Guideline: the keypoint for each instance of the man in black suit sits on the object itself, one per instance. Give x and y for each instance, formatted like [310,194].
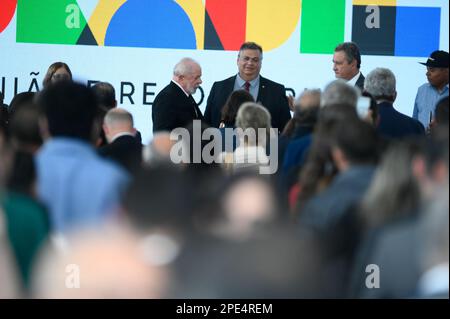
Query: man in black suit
[122,147]
[346,64]
[270,94]
[174,106]
[380,83]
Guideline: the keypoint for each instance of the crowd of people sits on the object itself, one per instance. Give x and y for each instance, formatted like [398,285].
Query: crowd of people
[347,198]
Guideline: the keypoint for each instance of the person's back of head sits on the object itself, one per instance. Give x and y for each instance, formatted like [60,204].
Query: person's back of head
[117,121]
[357,141]
[24,127]
[442,114]
[339,92]
[247,202]
[431,167]
[21,100]
[254,117]
[307,107]
[157,152]
[159,198]
[70,110]
[106,95]
[330,116]
[232,105]
[381,84]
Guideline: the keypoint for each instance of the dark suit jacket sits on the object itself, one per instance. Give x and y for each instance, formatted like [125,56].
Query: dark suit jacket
[394,124]
[360,82]
[125,150]
[271,94]
[172,109]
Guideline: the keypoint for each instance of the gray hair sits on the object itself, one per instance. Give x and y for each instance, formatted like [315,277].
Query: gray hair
[253,116]
[339,92]
[380,83]
[118,116]
[185,67]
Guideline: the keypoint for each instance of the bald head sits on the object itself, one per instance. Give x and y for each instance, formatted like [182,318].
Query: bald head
[117,121]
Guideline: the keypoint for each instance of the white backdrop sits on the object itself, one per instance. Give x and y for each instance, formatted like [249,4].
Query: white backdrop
[139,65]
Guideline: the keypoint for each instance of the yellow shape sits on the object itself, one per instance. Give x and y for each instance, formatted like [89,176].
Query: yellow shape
[386,3]
[100,19]
[195,9]
[270,23]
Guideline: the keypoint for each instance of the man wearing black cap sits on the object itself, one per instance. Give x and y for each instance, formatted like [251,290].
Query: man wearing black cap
[433,91]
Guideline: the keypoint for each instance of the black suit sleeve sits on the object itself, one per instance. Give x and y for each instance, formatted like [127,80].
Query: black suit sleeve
[209,105]
[162,114]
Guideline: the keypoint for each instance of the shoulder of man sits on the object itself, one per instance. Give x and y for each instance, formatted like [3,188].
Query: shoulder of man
[267,82]
[423,87]
[225,81]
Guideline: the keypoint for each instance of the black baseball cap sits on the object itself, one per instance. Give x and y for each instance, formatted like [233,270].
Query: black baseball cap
[437,59]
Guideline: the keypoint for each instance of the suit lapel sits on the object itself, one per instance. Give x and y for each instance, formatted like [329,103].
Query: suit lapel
[229,86]
[262,90]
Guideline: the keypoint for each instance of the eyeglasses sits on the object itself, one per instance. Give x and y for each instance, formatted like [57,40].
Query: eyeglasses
[248,59]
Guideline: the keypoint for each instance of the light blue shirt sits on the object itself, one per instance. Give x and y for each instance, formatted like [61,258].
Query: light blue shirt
[239,84]
[78,187]
[426,100]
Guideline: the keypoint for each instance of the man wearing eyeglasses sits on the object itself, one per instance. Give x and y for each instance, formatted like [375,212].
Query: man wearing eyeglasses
[270,94]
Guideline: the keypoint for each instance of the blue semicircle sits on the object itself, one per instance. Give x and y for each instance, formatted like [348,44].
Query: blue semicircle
[151,24]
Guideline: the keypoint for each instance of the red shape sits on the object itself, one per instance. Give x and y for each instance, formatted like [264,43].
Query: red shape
[7,10]
[229,19]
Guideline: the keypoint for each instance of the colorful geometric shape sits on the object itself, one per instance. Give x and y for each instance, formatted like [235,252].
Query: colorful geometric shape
[195,9]
[373,40]
[151,24]
[271,23]
[86,37]
[101,17]
[49,21]
[417,31]
[229,21]
[322,25]
[87,7]
[211,41]
[7,9]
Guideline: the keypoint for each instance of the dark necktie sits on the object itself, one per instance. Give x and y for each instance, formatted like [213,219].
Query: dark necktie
[247,86]
[194,104]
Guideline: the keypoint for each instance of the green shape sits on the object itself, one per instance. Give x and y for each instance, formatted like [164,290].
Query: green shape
[322,25]
[49,21]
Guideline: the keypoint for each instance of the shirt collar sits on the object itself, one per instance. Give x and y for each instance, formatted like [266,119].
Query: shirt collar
[241,82]
[445,89]
[115,137]
[353,81]
[180,88]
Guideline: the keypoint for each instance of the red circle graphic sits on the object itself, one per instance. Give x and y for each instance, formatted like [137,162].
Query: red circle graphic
[7,9]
